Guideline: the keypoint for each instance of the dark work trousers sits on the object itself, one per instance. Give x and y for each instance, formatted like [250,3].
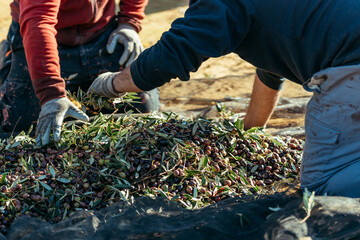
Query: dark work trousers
[79,67]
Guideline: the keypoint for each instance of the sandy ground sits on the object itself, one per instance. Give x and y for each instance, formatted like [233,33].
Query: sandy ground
[217,78]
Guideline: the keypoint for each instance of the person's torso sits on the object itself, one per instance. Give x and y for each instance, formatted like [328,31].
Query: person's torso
[297,38]
[78,21]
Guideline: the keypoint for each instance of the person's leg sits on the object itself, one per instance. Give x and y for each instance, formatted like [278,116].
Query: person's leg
[330,163]
[5,60]
[345,182]
[19,105]
[6,53]
[149,102]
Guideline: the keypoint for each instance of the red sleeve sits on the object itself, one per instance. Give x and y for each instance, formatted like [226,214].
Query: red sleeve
[37,26]
[132,12]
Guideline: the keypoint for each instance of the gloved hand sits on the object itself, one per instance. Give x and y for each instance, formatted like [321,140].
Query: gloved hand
[127,36]
[51,118]
[103,85]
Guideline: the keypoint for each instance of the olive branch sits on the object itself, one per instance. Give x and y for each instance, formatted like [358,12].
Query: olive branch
[309,202]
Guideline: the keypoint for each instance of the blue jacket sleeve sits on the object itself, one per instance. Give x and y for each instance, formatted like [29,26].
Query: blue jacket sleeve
[271,80]
[210,28]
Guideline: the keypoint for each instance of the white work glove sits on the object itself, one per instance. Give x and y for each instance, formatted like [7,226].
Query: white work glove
[103,85]
[51,117]
[127,36]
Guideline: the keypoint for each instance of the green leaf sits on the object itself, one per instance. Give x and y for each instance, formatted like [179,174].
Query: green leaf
[52,171]
[30,129]
[218,107]
[51,199]
[175,197]
[166,177]
[92,160]
[26,164]
[255,137]
[217,181]
[65,214]
[127,164]
[254,129]
[42,177]
[244,179]
[133,137]
[63,180]
[188,196]
[243,220]
[162,193]
[15,182]
[163,135]
[195,192]
[203,180]
[239,124]
[46,186]
[241,127]
[232,177]
[192,172]
[15,144]
[37,187]
[3,178]
[120,193]
[203,162]
[254,168]
[251,148]
[277,141]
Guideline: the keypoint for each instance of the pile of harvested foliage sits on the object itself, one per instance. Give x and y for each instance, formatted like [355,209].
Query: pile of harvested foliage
[118,157]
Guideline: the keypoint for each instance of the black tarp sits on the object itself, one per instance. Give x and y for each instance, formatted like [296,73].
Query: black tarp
[236,218]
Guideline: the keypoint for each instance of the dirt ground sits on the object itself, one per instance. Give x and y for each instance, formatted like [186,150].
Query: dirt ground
[217,78]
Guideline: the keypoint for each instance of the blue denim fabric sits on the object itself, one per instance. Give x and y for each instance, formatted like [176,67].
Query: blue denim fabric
[331,158]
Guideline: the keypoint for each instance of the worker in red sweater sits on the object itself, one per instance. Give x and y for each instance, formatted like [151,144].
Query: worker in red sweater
[54,45]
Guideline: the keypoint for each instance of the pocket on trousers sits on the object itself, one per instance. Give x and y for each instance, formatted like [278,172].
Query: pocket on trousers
[319,145]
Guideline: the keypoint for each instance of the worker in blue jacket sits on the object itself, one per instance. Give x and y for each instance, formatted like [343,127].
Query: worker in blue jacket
[315,43]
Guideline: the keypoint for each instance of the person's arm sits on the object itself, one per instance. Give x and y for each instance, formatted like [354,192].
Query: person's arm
[37,26]
[262,104]
[123,82]
[210,28]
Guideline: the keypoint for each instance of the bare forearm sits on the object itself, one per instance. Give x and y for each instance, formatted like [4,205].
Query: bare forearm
[262,104]
[123,82]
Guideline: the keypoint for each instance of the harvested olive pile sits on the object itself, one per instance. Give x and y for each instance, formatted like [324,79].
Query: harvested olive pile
[192,162]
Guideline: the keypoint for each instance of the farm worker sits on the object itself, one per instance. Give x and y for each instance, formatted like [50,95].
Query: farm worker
[315,43]
[63,44]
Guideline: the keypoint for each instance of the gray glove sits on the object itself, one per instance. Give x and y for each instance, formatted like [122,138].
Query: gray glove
[103,85]
[127,36]
[51,117]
